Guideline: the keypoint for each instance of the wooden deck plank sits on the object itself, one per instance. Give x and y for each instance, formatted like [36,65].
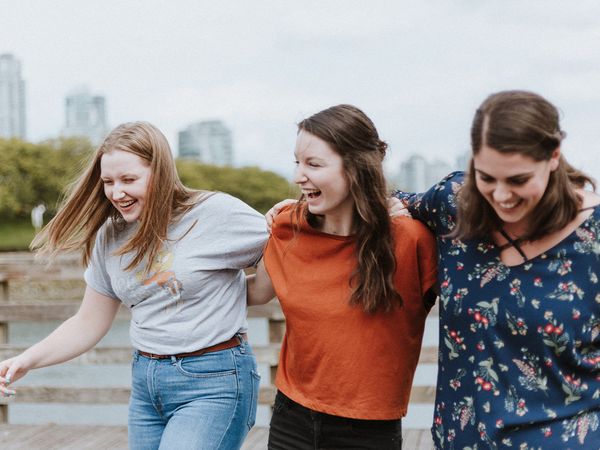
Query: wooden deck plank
[77,437]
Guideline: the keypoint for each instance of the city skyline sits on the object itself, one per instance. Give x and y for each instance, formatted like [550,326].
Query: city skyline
[418,70]
[13,114]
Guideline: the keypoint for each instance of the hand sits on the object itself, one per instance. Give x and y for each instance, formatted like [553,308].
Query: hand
[397,208]
[11,370]
[270,215]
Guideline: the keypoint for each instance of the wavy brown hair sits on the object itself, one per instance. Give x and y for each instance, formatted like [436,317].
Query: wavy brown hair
[526,123]
[354,137]
[85,207]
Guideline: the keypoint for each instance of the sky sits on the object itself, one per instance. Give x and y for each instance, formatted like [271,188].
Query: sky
[418,68]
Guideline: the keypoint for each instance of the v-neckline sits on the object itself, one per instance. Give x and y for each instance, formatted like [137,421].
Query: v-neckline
[549,249]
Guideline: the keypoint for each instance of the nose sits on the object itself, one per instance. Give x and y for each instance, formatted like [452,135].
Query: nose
[299,176]
[501,193]
[117,193]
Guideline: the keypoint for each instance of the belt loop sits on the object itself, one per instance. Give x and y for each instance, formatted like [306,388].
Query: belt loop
[242,343]
[173,359]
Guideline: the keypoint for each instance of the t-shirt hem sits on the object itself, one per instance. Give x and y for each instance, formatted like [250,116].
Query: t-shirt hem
[349,413]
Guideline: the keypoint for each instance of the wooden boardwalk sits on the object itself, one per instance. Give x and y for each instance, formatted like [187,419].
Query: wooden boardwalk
[62,437]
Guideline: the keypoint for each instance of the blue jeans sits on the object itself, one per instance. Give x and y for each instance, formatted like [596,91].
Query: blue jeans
[199,402]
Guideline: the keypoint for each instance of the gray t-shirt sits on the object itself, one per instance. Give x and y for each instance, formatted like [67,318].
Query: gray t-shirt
[194,295]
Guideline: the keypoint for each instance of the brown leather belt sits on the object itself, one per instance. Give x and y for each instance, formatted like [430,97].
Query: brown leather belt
[233,342]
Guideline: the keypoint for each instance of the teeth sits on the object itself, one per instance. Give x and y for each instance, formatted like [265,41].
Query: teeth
[311,193]
[508,205]
[126,204]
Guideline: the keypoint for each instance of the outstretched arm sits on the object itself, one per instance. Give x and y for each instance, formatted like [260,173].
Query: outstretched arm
[73,337]
[260,288]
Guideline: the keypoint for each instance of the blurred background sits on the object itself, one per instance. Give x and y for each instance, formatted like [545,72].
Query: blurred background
[228,81]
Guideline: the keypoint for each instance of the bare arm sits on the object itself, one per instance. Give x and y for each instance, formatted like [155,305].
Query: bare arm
[73,337]
[260,288]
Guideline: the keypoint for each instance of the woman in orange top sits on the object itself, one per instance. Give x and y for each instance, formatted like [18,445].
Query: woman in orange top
[355,287]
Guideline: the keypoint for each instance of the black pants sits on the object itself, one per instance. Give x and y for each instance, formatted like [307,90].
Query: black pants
[294,427]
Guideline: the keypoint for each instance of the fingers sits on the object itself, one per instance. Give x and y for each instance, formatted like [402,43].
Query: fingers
[397,208]
[271,213]
[4,382]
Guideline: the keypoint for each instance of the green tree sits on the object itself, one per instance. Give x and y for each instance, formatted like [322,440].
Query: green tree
[261,189]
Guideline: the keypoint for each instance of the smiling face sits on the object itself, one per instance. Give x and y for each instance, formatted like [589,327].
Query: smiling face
[512,184]
[125,177]
[322,179]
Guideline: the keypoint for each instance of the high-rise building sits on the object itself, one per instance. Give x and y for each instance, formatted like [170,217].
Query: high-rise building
[418,175]
[413,174]
[209,142]
[85,115]
[12,98]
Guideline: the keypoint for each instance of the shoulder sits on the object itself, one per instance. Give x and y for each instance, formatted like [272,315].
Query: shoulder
[408,228]
[219,203]
[410,234]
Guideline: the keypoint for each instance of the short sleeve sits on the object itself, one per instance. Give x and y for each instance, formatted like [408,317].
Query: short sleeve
[427,259]
[247,234]
[96,275]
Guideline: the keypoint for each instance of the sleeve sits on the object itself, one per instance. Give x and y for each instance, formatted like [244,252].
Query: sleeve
[436,207]
[427,259]
[247,234]
[95,275]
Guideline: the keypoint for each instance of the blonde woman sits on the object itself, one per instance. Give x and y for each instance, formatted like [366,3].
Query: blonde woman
[173,256]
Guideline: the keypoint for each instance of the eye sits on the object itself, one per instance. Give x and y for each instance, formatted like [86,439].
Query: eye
[518,181]
[485,178]
[314,164]
[107,182]
[128,180]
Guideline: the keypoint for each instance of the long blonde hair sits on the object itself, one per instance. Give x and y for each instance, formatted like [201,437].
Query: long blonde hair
[85,207]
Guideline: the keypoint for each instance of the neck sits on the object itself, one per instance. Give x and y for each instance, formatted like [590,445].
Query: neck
[340,226]
[515,231]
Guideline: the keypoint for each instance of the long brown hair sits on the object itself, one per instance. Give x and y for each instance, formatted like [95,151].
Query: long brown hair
[354,137]
[526,123]
[86,208]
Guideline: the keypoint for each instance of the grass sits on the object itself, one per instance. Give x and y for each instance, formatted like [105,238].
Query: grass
[15,235]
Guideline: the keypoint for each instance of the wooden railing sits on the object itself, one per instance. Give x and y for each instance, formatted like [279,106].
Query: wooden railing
[29,292]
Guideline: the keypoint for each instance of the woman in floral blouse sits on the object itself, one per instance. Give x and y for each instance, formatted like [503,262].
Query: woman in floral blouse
[519,260]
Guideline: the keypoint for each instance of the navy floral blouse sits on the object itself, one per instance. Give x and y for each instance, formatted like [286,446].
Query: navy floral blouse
[519,347]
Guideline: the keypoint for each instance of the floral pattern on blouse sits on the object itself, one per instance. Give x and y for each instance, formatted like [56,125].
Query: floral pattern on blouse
[519,347]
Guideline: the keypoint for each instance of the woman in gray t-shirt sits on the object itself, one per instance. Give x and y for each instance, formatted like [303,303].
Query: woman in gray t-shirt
[175,257]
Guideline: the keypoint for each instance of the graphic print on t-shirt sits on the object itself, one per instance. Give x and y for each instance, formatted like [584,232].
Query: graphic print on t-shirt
[160,273]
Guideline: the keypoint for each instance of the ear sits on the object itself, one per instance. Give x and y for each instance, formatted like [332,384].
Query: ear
[555,159]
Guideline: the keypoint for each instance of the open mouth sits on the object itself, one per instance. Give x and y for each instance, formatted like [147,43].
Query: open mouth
[127,204]
[507,206]
[311,194]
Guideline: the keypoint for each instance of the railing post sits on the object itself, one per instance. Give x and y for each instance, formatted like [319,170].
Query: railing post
[3,335]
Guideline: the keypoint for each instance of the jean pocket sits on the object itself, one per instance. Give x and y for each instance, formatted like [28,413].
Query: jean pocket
[255,377]
[201,367]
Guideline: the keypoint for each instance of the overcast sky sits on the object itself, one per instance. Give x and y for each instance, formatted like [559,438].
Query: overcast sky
[418,68]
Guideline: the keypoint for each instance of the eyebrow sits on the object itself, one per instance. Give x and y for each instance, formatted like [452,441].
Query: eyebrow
[123,175]
[512,177]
